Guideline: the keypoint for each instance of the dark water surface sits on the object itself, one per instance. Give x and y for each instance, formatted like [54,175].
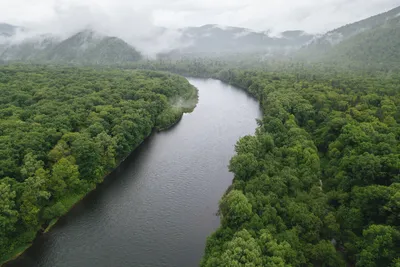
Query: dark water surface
[159,206]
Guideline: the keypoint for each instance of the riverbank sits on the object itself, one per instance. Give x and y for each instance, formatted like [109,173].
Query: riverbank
[70,201]
[159,206]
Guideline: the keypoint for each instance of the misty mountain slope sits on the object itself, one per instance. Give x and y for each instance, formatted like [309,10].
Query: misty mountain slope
[31,49]
[7,30]
[380,45]
[296,38]
[86,47]
[332,38]
[215,39]
[91,48]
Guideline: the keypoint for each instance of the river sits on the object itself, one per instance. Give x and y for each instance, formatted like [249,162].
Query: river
[159,206]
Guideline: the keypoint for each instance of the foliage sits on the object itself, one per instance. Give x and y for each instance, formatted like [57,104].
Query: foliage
[63,129]
[318,184]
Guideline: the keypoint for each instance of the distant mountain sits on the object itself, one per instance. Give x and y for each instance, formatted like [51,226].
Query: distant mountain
[29,49]
[93,48]
[7,30]
[375,39]
[89,47]
[86,47]
[372,40]
[379,45]
[215,39]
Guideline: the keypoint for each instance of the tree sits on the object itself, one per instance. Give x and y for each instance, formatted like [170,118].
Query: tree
[8,213]
[379,247]
[64,175]
[244,166]
[32,198]
[241,251]
[235,209]
[31,164]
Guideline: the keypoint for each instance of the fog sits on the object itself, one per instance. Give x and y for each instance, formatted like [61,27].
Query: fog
[152,26]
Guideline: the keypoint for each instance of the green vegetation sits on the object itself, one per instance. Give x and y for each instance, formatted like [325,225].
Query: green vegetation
[376,46]
[319,183]
[63,129]
[373,42]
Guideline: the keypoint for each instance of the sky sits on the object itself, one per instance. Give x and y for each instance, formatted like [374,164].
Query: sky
[314,16]
[137,22]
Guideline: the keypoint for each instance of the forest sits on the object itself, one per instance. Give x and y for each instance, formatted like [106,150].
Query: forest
[62,129]
[319,182]
[317,185]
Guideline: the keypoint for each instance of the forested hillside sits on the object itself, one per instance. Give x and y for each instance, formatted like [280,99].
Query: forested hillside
[63,129]
[380,45]
[216,40]
[319,183]
[373,41]
[85,48]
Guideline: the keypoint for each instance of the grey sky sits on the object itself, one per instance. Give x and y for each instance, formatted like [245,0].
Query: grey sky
[310,15]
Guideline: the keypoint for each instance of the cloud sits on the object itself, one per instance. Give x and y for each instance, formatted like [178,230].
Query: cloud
[314,16]
[138,22]
[130,23]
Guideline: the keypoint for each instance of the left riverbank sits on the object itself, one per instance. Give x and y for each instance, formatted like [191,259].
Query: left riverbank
[169,116]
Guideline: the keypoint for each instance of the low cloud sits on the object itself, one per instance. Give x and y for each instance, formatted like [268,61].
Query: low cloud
[152,25]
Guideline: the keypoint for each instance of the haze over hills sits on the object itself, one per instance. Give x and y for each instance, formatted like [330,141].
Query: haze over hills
[379,45]
[373,39]
[7,30]
[215,39]
[85,47]
[346,32]
[91,47]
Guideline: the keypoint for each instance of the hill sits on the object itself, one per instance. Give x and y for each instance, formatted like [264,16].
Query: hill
[85,47]
[375,40]
[380,45]
[216,40]
[7,29]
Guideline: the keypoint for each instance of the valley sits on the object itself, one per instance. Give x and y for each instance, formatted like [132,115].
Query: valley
[203,145]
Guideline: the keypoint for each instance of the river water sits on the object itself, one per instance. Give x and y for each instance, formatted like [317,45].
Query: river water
[159,206]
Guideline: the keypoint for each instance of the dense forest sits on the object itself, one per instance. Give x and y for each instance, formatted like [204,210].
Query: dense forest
[63,129]
[319,183]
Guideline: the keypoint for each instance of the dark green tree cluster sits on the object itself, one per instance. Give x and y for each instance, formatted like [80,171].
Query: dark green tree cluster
[319,182]
[63,129]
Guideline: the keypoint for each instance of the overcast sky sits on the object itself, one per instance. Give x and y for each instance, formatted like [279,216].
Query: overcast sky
[310,15]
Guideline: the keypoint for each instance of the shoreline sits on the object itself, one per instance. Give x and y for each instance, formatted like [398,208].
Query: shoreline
[42,231]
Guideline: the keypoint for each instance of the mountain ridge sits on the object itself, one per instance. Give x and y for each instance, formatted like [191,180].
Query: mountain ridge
[377,34]
[84,47]
[375,40]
